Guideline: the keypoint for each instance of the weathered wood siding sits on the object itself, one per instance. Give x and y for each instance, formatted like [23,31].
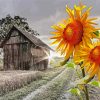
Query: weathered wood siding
[21,54]
[17,52]
[39,59]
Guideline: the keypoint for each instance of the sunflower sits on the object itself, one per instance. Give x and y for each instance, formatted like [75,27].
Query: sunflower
[73,30]
[89,54]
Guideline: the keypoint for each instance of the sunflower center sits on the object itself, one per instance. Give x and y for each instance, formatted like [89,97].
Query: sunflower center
[73,32]
[95,55]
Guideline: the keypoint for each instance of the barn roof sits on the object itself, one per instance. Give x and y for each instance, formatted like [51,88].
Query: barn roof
[29,36]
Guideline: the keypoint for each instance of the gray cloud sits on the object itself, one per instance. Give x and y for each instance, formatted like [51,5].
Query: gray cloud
[41,14]
[36,10]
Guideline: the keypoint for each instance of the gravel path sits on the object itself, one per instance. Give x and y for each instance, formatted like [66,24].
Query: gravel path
[94,92]
[64,94]
[51,91]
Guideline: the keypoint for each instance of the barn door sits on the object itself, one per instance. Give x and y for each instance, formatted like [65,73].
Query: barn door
[11,57]
[15,54]
[7,57]
[24,56]
[20,56]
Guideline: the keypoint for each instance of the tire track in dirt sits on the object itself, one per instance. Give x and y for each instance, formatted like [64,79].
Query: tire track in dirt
[45,92]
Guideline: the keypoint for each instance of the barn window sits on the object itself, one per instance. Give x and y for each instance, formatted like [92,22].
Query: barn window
[14,33]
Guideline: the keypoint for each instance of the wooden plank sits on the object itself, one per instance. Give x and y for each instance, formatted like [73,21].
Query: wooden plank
[17,39]
[5,58]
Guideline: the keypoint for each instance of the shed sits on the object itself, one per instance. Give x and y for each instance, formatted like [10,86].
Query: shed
[24,51]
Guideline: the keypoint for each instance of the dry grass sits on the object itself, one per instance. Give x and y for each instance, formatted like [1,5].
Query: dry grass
[52,90]
[18,94]
[12,80]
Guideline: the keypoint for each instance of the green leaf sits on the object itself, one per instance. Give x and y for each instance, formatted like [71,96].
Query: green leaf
[95,83]
[96,33]
[70,65]
[74,91]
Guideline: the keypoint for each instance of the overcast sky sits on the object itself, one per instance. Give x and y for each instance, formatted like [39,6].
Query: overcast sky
[41,14]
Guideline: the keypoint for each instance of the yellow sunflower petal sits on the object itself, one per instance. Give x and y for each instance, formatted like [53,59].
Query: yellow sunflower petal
[91,19]
[69,51]
[56,41]
[85,15]
[56,37]
[56,33]
[78,11]
[60,45]
[86,63]
[98,74]
[89,68]
[57,28]
[63,51]
[74,35]
[70,12]
[95,70]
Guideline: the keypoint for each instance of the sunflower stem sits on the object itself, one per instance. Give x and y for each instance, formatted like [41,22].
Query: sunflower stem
[86,88]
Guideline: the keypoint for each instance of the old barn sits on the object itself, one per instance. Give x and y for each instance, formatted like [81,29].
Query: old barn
[24,51]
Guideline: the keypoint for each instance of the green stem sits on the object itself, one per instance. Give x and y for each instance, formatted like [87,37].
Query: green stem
[86,88]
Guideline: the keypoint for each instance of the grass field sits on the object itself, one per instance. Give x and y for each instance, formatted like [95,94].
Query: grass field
[16,85]
[12,80]
[18,94]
